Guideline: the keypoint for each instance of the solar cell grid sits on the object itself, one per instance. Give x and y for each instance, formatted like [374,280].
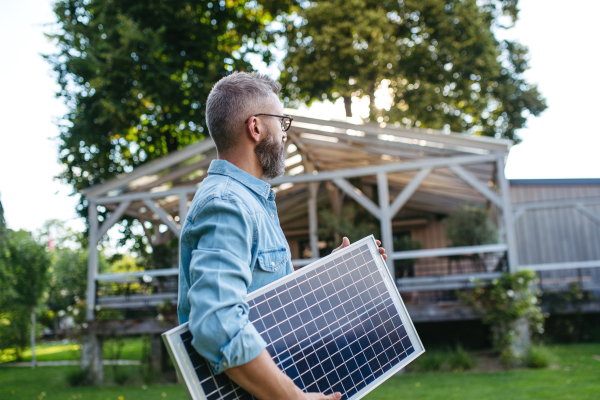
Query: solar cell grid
[333,328]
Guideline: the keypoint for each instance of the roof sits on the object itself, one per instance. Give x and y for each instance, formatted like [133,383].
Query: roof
[315,148]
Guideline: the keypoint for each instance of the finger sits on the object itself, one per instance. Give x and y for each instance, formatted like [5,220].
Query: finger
[384,256]
[334,396]
[381,250]
[378,242]
[345,243]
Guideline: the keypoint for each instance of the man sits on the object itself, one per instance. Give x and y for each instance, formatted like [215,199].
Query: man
[231,241]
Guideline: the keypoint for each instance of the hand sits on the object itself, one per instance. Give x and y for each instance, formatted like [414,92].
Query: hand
[346,243]
[321,396]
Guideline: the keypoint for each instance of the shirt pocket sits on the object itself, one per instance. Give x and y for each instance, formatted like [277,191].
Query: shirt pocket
[273,259]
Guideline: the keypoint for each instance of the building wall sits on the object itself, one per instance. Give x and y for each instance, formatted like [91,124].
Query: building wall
[556,235]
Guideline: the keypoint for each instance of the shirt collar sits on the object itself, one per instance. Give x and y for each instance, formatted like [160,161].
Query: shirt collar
[223,167]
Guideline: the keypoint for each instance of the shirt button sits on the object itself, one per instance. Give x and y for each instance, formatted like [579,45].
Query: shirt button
[272,264]
[225,364]
[272,215]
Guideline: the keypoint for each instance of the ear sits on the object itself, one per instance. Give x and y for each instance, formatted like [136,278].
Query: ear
[253,129]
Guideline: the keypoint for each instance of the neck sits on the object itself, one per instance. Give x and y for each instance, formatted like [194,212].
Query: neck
[244,160]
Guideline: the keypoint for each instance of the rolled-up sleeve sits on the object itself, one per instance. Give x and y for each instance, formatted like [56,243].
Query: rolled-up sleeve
[220,274]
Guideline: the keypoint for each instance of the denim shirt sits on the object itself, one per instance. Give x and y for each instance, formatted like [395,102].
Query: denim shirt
[231,244]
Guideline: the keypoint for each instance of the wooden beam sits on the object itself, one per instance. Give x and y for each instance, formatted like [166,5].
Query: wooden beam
[359,196]
[151,167]
[385,220]
[477,184]
[164,217]
[507,213]
[112,219]
[427,135]
[171,176]
[449,251]
[388,168]
[313,190]
[92,261]
[183,208]
[191,189]
[408,191]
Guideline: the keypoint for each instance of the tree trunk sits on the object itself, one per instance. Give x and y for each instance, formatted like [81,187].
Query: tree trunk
[348,106]
[32,339]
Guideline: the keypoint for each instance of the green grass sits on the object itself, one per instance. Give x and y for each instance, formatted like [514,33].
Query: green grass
[69,350]
[575,376]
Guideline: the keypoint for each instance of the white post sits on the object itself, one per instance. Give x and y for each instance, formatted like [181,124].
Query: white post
[32,338]
[92,261]
[507,213]
[386,220]
[183,208]
[313,189]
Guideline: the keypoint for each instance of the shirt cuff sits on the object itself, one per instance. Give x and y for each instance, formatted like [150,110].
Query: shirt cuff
[244,347]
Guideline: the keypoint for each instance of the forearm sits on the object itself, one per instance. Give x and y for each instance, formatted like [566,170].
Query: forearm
[264,380]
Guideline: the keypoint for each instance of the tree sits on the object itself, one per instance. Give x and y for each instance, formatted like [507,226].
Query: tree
[135,76]
[2,221]
[438,60]
[24,276]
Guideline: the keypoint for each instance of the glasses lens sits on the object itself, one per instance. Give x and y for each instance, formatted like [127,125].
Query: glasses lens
[285,123]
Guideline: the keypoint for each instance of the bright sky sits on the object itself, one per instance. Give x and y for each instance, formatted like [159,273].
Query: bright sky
[563,143]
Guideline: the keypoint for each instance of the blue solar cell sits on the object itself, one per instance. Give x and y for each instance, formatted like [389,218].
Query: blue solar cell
[406,342]
[290,310]
[305,287]
[301,304]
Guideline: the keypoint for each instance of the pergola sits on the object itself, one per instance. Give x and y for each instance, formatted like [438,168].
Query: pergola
[418,169]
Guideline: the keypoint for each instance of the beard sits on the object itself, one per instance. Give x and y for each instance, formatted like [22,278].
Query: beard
[270,157]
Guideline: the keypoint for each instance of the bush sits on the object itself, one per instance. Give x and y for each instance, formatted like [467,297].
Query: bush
[430,361]
[538,357]
[461,360]
[121,376]
[79,377]
[457,359]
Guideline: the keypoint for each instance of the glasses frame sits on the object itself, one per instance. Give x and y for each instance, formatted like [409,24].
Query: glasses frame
[282,117]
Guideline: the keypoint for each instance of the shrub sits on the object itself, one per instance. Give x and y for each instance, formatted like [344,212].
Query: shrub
[431,361]
[121,376]
[79,377]
[461,360]
[538,357]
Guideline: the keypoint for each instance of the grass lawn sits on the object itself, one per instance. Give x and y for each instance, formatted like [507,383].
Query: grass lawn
[575,375]
[67,350]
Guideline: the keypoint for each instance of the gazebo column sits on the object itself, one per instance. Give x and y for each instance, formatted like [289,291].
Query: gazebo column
[385,220]
[313,190]
[91,344]
[507,214]
[92,261]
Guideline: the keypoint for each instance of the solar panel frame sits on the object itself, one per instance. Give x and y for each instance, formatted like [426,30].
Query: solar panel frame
[277,290]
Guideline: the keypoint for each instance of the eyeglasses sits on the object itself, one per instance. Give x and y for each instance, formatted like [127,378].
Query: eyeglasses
[286,120]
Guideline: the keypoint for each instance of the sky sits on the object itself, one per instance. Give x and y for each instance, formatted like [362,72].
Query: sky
[563,142]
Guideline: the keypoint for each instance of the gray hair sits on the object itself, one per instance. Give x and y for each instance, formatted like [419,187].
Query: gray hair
[234,99]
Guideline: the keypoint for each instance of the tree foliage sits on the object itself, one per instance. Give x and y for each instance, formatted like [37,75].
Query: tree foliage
[439,61]
[470,226]
[24,264]
[135,76]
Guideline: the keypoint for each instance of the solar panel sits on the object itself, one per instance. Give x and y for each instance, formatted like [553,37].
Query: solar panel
[337,325]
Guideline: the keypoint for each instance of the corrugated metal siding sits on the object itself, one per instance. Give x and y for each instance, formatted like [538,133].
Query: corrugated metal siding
[556,235]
